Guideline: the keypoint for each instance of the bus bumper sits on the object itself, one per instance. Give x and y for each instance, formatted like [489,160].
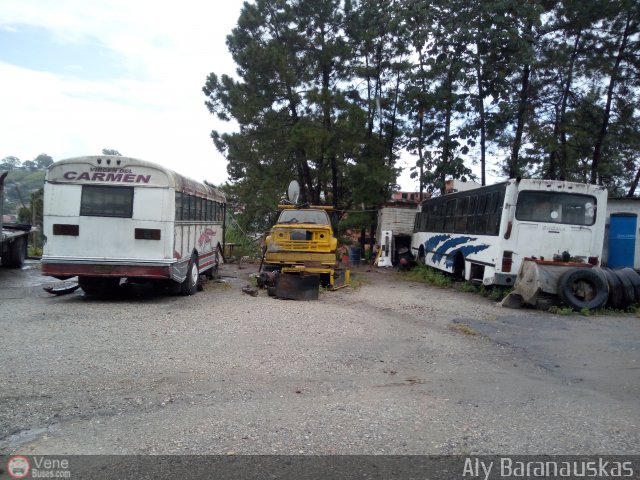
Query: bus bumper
[505,279]
[64,270]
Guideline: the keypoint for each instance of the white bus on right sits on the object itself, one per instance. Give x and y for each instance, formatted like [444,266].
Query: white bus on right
[483,235]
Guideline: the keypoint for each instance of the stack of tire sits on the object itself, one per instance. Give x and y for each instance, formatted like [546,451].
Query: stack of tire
[596,287]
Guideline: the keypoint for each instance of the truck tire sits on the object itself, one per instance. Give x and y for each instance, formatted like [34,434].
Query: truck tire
[583,288]
[16,253]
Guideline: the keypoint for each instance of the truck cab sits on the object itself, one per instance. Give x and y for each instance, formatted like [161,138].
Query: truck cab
[301,237]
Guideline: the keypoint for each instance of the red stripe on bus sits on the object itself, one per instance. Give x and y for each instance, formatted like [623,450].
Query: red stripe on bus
[71,270]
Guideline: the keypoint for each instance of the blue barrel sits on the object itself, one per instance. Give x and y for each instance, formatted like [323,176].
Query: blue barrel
[622,240]
[354,256]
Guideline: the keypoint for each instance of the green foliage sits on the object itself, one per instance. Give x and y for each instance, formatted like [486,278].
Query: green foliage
[424,274]
[329,93]
[243,245]
[19,185]
[560,310]
[110,151]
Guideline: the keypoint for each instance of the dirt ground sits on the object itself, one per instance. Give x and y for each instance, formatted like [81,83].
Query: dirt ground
[389,367]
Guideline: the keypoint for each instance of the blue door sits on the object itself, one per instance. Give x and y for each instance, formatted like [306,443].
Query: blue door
[622,240]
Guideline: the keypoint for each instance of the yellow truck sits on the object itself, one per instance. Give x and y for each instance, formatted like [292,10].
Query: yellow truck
[302,243]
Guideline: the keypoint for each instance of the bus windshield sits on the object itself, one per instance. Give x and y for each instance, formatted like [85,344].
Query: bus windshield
[567,208]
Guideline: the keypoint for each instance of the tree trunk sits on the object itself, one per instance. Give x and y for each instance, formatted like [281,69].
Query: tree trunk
[597,150]
[481,113]
[523,106]
[562,163]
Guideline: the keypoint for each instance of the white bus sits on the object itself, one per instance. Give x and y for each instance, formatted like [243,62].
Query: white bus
[482,235]
[112,217]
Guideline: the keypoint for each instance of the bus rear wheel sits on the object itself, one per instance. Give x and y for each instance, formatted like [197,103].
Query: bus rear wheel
[190,284]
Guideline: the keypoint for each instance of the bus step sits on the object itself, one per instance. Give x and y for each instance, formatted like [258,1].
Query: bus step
[476,281]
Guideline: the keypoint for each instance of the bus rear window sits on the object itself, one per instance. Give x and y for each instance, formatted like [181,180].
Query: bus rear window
[548,207]
[100,201]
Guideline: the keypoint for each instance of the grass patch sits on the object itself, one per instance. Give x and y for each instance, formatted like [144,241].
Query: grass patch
[357,281]
[466,329]
[431,276]
[466,287]
[560,310]
[424,274]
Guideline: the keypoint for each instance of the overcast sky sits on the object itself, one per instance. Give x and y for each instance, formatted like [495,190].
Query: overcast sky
[79,76]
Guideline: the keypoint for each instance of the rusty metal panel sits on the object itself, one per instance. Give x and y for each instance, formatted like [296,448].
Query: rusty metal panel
[294,286]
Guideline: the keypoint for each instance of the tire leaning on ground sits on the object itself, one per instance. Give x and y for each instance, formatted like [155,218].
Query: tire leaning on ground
[190,284]
[633,280]
[628,292]
[616,295]
[583,288]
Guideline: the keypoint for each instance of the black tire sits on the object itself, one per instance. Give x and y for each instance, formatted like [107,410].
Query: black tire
[212,273]
[459,266]
[629,279]
[99,285]
[422,258]
[583,288]
[190,284]
[271,291]
[16,253]
[635,280]
[616,295]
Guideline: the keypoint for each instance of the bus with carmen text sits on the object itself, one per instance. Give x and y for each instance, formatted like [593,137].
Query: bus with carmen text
[108,218]
[482,235]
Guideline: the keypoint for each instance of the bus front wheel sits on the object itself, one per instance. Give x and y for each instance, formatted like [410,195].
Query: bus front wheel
[190,284]
[459,267]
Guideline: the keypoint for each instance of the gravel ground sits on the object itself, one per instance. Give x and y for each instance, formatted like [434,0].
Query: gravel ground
[392,367]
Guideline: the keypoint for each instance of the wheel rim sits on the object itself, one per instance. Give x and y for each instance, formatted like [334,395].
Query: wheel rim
[194,274]
[584,290]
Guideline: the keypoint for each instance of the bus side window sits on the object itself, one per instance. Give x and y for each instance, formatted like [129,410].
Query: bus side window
[471,215]
[198,215]
[424,219]
[450,216]
[497,216]
[481,222]
[178,205]
[461,215]
[490,211]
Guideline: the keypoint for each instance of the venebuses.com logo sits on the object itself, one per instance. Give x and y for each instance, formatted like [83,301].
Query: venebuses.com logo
[18,467]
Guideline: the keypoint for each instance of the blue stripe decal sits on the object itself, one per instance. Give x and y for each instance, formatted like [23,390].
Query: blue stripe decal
[445,246]
[431,244]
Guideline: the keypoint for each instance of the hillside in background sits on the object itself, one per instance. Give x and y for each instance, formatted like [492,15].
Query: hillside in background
[21,183]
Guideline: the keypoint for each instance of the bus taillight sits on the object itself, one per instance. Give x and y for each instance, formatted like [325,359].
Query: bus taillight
[66,229]
[147,234]
[507,261]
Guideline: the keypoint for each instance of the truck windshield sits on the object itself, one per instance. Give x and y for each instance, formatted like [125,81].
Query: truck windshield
[548,207]
[304,216]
